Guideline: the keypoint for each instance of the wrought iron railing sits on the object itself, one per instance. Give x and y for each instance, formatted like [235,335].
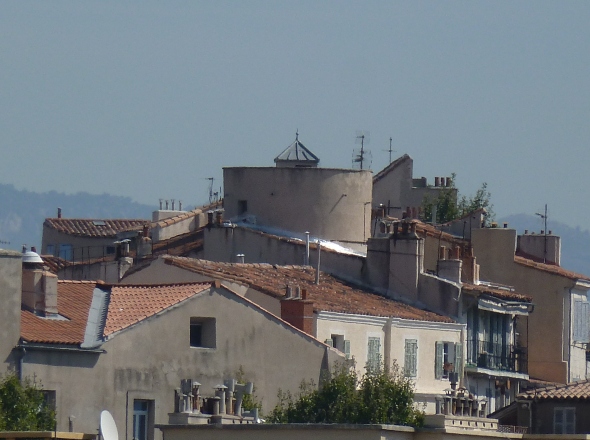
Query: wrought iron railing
[505,357]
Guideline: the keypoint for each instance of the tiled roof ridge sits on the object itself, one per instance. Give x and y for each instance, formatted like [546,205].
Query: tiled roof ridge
[550,268]
[84,219]
[183,215]
[80,282]
[160,285]
[390,167]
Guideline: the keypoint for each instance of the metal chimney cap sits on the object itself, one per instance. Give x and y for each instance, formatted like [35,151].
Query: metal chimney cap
[31,257]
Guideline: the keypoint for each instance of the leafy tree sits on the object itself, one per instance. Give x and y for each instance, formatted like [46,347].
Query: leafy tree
[449,206]
[23,406]
[383,395]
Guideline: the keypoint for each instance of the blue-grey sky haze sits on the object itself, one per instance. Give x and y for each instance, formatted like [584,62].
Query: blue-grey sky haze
[148,99]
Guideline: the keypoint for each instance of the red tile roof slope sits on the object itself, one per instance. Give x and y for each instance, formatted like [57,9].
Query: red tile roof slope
[550,268]
[496,293]
[330,295]
[575,390]
[188,214]
[130,304]
[94,227]
[73,302]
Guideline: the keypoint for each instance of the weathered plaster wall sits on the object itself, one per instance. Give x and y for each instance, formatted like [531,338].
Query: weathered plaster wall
[10,300]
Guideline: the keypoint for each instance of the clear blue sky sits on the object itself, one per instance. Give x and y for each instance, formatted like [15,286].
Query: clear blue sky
[147,99]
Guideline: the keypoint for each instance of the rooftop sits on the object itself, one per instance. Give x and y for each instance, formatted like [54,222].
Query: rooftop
[550,268]
[103,228]
[330,294]
[297,152]
[385,171]
[504,294]
[575,390]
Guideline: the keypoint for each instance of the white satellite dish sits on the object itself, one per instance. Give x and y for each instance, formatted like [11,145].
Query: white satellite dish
[108,428]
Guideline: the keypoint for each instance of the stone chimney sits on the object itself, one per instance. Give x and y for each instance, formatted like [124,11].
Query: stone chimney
[534,245]
[406,262]
[144,243]
[39,291]
[298,311]
[450,269]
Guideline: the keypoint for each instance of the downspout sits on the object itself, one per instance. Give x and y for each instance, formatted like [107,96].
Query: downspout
[21,362]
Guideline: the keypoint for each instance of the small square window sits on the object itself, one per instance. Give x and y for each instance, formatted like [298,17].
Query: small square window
[242,206]
[111,250]
[203,332]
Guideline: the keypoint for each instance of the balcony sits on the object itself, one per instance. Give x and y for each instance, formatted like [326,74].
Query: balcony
[499,357]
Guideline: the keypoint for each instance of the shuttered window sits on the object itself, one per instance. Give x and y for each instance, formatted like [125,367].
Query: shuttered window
[374,353]
[459,362]
[347,349]
[564,421]
[581,317]
[439,360]
[411,358]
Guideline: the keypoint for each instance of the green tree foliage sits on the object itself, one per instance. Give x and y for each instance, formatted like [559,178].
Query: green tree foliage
[383,395]
[450,206]
[23,406]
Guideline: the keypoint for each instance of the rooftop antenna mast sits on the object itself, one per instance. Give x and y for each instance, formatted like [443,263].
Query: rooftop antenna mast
[362,156]
[211,180]
[391,150]
[544,217]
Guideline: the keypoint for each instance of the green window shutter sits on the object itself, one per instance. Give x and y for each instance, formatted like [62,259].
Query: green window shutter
[347,349]
[329,342]
[438,362]
[459,362]
[411,358]
[373,356]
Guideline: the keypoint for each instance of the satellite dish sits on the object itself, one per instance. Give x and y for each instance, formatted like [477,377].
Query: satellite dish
[108,428]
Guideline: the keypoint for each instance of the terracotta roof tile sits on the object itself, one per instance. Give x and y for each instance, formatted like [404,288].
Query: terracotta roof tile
[550,268]
[575,390]
[496,293]
[107,228]
[73,302]
[330,295]
[184,215]
[130,304]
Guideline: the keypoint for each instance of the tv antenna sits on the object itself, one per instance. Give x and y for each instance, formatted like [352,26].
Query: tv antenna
[108,428]
[212,195]
[390,149]
[361,157]
[544,217]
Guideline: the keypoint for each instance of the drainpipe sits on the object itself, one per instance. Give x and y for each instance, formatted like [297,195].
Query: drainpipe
[21,362]
[317,272]
[306,260]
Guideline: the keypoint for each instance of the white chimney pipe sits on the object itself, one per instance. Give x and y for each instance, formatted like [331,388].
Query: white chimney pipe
[317,273]
[306,260]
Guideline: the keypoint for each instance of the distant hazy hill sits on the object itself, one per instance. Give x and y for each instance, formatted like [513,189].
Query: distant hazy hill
[575,243]
[22,212]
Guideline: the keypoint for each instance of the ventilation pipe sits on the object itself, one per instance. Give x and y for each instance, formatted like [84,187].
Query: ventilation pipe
[317,273]
[306,260]
[58,212]
[240,258]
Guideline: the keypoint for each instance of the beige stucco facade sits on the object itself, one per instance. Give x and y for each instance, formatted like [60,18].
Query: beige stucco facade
[334,204]
[393,334]
[147,361]
[554,355]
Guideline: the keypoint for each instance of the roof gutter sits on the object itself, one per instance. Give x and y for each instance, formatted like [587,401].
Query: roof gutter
[46,347]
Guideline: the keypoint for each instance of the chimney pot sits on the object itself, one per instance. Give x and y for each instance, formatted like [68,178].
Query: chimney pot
[505,225]
[542,231]
[437,181]
[526,231]
[172,204]
[550,232]
[58,212]
[303,293]
[166,205]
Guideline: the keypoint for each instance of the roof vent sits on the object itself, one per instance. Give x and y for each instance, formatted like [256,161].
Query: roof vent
[31,256]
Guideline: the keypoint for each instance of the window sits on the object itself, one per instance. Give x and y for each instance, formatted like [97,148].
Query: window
[411,358]
[581,315]
[65,252]
[564,421]
[242,206]
[448,359]
[339,343]
[202,332]
[143,419]
[110,250]
[50,250]
[374,353]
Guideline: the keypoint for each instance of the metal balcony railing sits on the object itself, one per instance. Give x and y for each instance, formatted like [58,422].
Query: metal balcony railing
[504,357]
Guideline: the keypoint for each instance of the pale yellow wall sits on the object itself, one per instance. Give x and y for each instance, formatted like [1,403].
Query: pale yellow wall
[548,325]
[82,247]
[334,204]
[149,360]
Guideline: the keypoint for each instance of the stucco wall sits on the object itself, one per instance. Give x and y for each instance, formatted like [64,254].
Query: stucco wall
[149,360]
[83,248]
[334,204]
[548,325]
[10,300]
[223,244]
